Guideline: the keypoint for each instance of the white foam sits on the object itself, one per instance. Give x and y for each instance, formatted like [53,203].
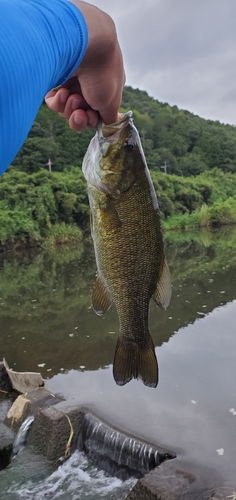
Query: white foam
[76,479]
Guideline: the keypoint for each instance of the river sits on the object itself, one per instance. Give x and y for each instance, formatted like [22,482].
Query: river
[47,325]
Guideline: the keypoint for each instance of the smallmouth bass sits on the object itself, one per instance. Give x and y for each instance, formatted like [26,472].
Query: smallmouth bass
[128,243]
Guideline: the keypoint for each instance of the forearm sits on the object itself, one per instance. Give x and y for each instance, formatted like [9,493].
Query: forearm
[96,89]
[41,44]
[102,36]
[101,73]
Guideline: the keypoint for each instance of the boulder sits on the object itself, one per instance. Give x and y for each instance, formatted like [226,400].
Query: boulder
[173,481]
[5,383]
[163,483]
[29,404]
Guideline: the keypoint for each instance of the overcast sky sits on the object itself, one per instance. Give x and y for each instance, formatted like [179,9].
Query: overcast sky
[180,51]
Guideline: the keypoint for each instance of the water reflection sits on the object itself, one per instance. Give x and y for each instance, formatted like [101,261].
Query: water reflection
[46,319]
[46,323]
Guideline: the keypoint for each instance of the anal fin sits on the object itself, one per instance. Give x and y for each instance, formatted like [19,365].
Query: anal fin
[101,300]
[162,294]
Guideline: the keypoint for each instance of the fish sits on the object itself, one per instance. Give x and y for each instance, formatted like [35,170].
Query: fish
[128,243]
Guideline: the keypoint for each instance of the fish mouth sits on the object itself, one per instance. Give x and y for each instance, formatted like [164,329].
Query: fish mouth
[106,131]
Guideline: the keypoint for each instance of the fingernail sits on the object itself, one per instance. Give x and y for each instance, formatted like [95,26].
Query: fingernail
[78,120]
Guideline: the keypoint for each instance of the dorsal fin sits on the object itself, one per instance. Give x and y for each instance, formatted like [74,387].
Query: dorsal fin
[162,294]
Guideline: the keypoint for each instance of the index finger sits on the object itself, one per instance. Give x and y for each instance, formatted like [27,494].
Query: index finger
[56,99]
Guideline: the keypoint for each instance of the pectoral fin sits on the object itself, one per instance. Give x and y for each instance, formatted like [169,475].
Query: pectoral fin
[109,215]
[101,300]
[162,294]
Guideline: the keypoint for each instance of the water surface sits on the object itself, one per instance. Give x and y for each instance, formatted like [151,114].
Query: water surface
[47,325]
[31,477]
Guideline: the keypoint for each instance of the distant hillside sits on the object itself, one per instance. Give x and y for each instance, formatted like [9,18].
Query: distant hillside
[188,144]
[41,207]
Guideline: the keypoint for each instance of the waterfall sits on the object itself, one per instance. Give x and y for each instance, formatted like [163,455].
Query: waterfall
[21,437]
[114,450]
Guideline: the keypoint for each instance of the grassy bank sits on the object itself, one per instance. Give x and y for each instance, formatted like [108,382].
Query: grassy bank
[59,234]
[219,214]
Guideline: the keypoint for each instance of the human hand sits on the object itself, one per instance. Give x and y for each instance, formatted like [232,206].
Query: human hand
[95,89]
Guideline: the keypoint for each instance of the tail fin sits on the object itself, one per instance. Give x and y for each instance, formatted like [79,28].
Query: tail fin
[134,361]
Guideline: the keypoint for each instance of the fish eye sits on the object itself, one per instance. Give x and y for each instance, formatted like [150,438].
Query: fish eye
[128,147]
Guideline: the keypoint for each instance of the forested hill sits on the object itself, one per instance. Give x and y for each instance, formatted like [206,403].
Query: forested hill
[187,143]
[42,207]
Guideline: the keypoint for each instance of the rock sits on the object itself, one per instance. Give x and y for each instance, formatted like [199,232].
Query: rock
[29,404]
[222,494]
[5,456]
[51,430]
[6,441]
[173,481]
[163,483]
[7,436]
[5,383]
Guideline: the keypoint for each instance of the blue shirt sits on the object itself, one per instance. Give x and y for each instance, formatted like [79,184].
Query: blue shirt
[42,42]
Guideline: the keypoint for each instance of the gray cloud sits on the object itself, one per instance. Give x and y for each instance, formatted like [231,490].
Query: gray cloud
[180,51]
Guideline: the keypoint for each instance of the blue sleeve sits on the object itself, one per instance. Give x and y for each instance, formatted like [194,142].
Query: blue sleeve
[42,42]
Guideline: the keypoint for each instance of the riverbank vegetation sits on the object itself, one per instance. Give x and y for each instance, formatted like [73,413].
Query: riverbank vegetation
[48,208]
[40,206]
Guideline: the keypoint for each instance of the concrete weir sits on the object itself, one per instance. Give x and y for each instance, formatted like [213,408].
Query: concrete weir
[119,452]
[57,428]
[53,425]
